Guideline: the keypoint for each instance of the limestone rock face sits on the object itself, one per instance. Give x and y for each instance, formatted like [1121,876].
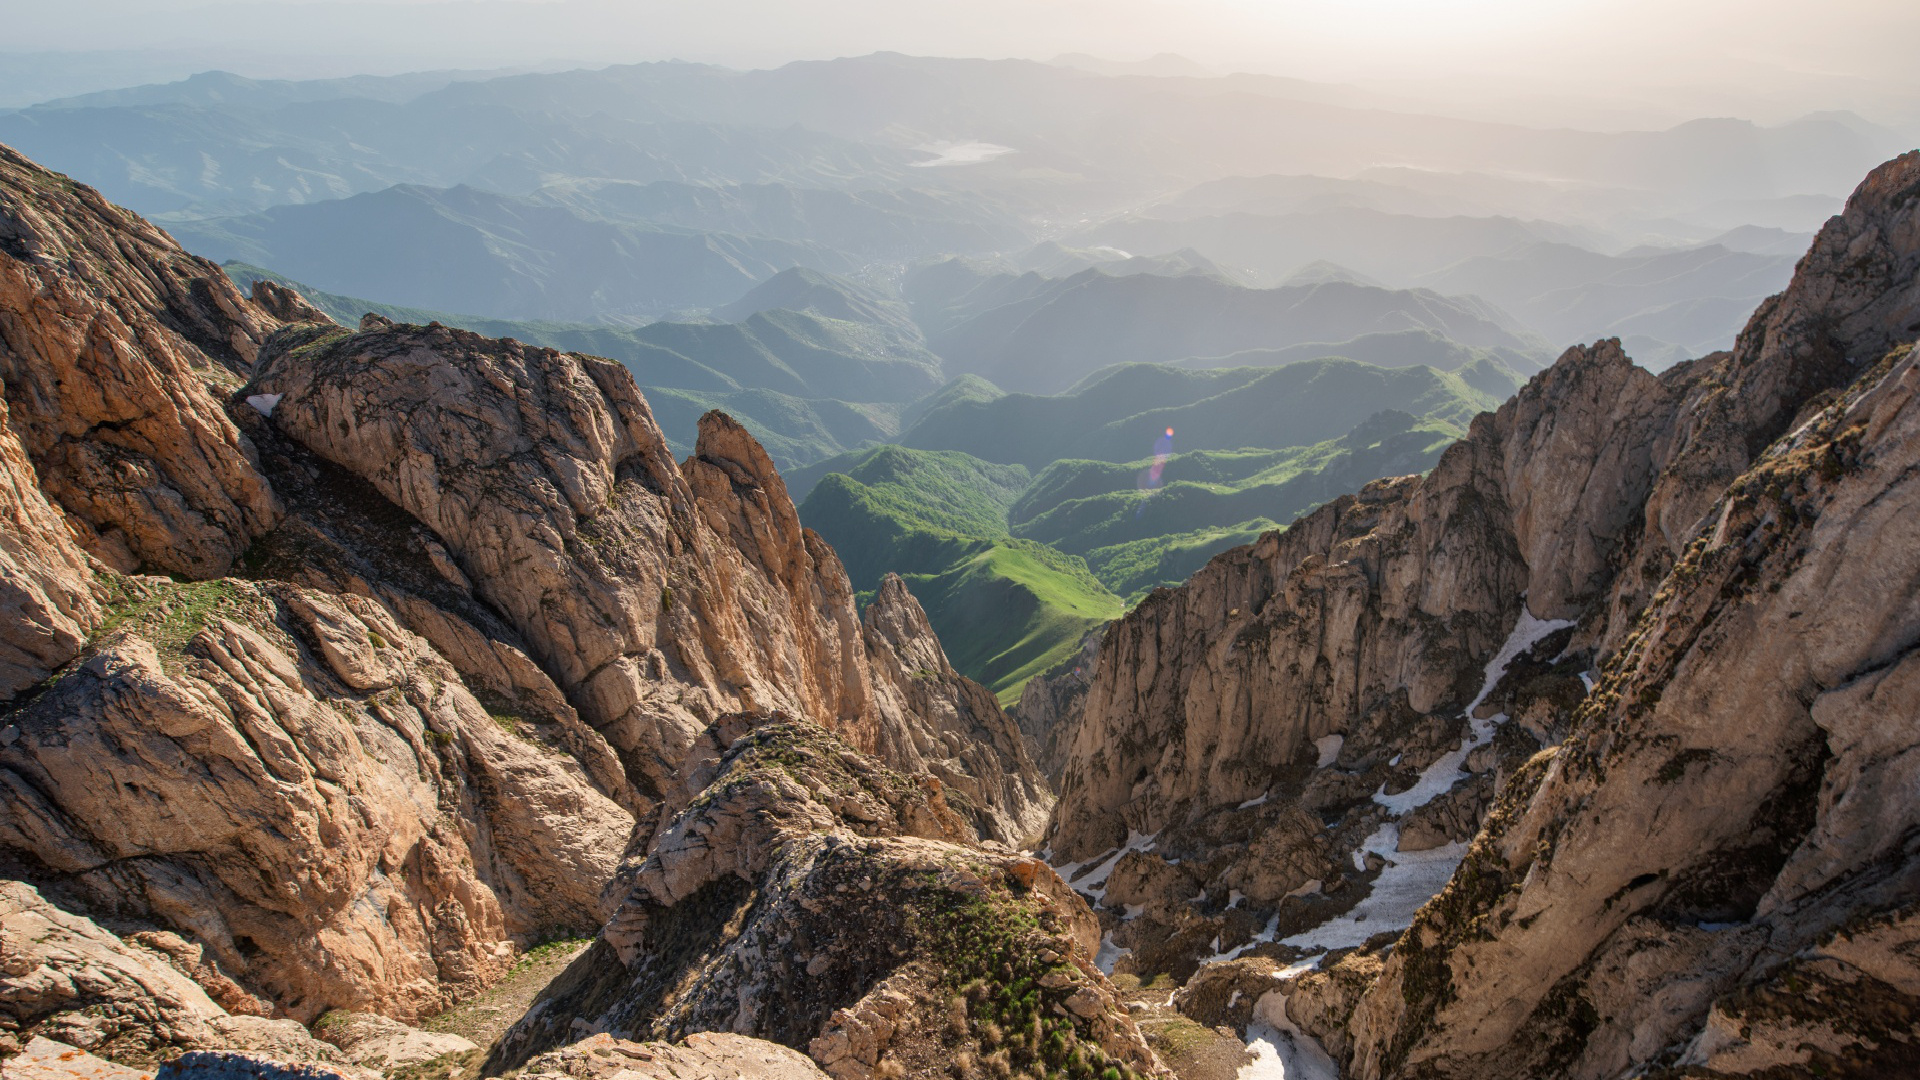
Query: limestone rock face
[310,790]
[65,979]
[805,894]
[1721,816]
[473,619]
[1623,889]
[115,349]
[657,596]
[49,598]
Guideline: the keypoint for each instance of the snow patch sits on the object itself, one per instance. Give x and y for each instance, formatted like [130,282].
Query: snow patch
[1109,954]
[1405,884]
[1093,884]
[1329,747]
[1280,1050]
[1251,803]
[264,403]
[1439,777]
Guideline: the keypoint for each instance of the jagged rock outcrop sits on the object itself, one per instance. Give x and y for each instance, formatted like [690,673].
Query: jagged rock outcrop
[307,788]
[940,722]
[457,615]
[66,979]
[1725,832]
[115,350]
[656,595]
[805,894]
[1635,899]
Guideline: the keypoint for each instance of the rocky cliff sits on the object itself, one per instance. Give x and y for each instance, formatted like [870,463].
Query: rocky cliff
[805,894]
[1716,870]
[443,619]
[1313,727]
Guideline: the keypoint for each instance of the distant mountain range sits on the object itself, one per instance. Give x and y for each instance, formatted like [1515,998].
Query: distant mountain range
[222,140]
[1043,335]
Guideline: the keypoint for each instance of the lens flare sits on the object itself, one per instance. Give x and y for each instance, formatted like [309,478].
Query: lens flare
[1150,479]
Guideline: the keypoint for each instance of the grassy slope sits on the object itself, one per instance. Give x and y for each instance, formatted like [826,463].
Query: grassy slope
[1005,608]
[1117,413]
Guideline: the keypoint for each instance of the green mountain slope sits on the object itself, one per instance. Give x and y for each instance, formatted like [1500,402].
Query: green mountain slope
[1005,608]
[1135,537]
[1117,414]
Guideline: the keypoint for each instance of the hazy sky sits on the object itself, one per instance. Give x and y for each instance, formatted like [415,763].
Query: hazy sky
[1767,59]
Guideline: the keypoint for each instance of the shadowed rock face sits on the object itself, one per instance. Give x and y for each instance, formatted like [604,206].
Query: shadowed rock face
[806,894]
[1721,844]
[1636,896]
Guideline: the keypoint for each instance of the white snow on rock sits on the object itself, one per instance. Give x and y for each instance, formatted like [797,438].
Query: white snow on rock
[1329,747]
[1109,954]
[1440,776]
[264,403]
[1093,883]
[1280,1050]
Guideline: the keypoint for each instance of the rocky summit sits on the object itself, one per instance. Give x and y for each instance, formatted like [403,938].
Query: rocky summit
[390,701]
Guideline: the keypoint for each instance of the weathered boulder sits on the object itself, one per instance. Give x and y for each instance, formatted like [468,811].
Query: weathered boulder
[308,790]
[700,1056]
[805,894]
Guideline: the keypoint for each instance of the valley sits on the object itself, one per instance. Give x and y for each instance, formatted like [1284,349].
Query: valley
[902,567]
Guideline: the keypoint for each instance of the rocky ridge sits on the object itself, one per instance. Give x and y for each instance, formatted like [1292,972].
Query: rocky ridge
[443,617]
[805,894]
[1609,918]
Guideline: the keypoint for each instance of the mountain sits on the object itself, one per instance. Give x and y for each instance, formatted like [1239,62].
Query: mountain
[343,665]
[1005,608]
[1119,413]
[1567,758]
[1152,522]
[1391,348]
[781,373]
[1051,258]
[894,223]
[1687,303]
[852,121]
[1044,335]
[462,249]
[1396,248]
[1016,566]
[824,295]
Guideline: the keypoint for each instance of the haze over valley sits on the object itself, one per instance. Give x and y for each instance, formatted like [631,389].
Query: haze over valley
[558,540]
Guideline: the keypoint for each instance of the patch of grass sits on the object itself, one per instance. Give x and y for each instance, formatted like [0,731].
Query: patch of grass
[169,615]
